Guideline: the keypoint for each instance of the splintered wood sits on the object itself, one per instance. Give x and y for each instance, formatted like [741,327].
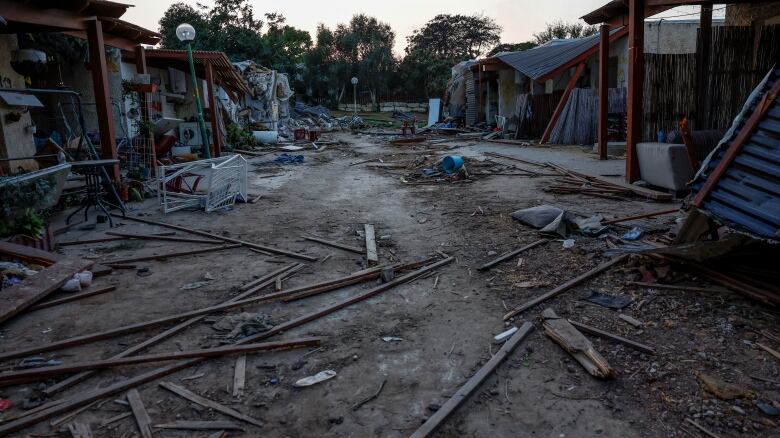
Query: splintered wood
[575,343]
[139,411]
[239,377]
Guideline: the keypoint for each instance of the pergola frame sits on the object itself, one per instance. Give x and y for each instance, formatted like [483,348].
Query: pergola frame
[632,13]
[98,22]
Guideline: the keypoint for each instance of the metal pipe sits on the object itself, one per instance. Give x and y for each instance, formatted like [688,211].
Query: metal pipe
[201,122]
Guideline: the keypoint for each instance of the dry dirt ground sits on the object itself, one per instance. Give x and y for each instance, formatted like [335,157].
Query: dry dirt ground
[446,322]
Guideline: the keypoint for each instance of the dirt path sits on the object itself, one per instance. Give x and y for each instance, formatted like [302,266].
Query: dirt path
[445,332]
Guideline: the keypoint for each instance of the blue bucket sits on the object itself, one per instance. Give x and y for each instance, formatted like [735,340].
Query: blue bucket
[452,163]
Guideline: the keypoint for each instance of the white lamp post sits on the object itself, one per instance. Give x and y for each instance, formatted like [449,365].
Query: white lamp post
[354,94]
[186,33]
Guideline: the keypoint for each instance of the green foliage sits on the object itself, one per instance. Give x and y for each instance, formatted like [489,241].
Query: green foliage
[560,30]
[455,36]
[510,47]
[29,223]
[231,27]
[237,136]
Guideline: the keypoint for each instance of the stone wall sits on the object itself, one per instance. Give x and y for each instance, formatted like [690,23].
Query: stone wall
[388,107]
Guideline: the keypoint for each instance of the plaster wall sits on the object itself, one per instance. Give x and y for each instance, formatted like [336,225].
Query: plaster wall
[16,138]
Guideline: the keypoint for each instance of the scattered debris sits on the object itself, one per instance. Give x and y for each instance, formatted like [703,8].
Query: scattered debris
[315,379]
[570,339]
[609,301]
[721,389]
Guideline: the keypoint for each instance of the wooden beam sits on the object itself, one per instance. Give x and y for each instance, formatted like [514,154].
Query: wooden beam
[583,57]
[575,343]
[25,13]
[195,398]
[169,255]
[139,412]
[72,297]
[103,107]
[562,103]
[565,286]
[158,237]
[603,132]
[612,337]
[343,246]
[19,297]
[224,238]
[736,145]
[642,216]
[200,425]
[511,254]
[433,423]
[704,49]
[635,98]
[56,370]
[239,376]
[216,144]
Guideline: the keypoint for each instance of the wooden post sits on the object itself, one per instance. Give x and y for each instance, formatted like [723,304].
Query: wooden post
[562,103]
[105,115]
[703,66]
[216,137]
[636,66]
[603,90]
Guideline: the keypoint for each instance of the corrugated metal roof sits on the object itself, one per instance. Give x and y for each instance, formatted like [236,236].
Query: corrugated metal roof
[539,61]
[747,196]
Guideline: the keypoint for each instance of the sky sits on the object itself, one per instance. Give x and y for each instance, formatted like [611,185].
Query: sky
[520,19]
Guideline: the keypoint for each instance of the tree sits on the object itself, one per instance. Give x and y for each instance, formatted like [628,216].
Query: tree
[511,47]
[231,27]
[560,30]
[366,45]
[455,36]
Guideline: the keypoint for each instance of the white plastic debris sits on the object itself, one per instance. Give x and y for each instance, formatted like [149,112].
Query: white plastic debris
[195,285]
[72,285]
[391,339]
[315,379]
[568,243]
[503,336]
[85,278]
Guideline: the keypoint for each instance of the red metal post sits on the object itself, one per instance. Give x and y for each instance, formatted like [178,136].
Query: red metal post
[603,90]
[216,146]
[636,73]
[562,103]
[97,61]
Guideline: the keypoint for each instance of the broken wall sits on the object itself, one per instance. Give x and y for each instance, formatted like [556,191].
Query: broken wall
[16,138]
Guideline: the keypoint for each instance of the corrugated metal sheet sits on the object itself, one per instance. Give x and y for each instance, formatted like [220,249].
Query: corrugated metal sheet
[541,60]
[471,99]
[747,197]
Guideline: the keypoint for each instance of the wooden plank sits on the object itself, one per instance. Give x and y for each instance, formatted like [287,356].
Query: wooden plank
[343,246]
[115,418]
[511,254]
[642,216]
[769,350]
[49,371]
[73,297]
[100,393]
[139,412]
[603,100]
[163,238]
[430,426]
[225,239]
[565,286]
[612,337]
[78,429]
[32,289]
[169,255]
[200,425]
[253,284]
[677,287]
[88,241]
[636,80]
[195,398]
[239,376]
[562,103]
[575,343]
[371,253]
[30,254]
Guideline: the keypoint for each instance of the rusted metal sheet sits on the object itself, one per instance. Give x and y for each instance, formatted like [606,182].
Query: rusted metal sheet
[739,183]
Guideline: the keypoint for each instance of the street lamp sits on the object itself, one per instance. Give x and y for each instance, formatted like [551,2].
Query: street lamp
[354,95]
[186,33]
